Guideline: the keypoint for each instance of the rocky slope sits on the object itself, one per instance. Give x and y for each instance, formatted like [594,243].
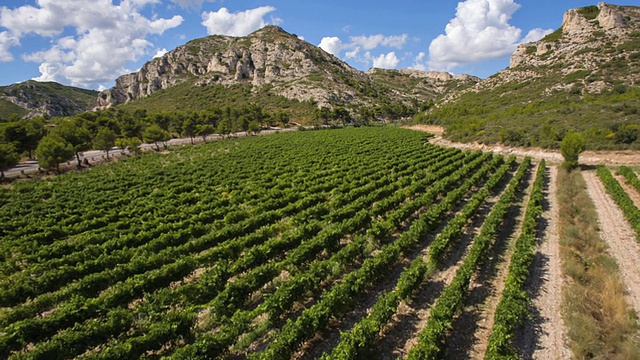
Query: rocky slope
[428,86]
[270,59]
[32,98]
[267,57]
[597,48]
[584,77]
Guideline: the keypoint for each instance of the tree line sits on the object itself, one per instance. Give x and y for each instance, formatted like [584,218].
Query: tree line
[54,141]
[57,140]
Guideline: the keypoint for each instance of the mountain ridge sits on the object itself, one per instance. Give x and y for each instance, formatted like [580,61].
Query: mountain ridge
[584,77]
[271,58]
[51,99]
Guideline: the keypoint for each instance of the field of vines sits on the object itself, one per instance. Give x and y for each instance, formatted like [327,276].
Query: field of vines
[294,245]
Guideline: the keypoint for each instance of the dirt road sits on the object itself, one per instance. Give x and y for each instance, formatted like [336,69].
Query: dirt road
[544,335]
[616,231]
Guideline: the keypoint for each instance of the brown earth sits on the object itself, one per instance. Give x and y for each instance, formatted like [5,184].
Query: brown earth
[543,336]
[616,231]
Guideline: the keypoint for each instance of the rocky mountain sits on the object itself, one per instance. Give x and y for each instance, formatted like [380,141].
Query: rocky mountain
[32,98]
[597,48]
[274,61]
[583,77]
[427,86]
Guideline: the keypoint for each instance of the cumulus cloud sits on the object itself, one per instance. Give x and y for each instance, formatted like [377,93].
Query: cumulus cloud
[241,23]
[357,44]
[160,53]
[388,61]
[106,38]
[479,31]
[7,41]
[194,4]
[333,45]
[418,62]
[535,35]
[373,41]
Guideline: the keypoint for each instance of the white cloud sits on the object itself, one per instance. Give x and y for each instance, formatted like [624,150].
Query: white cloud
[480,31]
[535,35]
[194,4]
[389,61]
[107,37]
[241,23]
[418,62]
[353,49]
[6,42]
[160,53]
[373,41]
[352,54]
[332,45]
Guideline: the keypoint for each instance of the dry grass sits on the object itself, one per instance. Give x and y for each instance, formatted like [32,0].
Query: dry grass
[598,318]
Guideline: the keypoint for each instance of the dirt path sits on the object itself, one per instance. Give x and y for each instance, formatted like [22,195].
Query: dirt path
[495,284]
[616,231]
[543,337]
[614,157]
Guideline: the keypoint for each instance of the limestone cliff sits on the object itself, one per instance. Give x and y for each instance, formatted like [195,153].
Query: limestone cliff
[278,61]
[601,42]
[270,56]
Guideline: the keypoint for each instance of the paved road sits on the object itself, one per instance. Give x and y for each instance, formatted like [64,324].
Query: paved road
[31,166]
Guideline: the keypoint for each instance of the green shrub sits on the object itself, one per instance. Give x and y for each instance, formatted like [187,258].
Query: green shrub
[589,12]
[554,36]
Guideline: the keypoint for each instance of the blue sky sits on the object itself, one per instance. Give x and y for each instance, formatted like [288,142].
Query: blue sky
[88,43]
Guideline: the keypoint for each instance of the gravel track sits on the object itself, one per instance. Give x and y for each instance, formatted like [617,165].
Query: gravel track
[616,231]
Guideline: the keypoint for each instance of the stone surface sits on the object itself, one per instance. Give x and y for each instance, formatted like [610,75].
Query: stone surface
[291,67]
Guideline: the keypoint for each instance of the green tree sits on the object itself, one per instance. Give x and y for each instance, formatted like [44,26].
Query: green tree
[129,125]
[53,150]
[190,126]
[254,127]
[224,128]
[72,133]
[132,144]
[321,116]
[205,130]
[104,140]
[155,134]
[341,115]
[24,134]
[8,158]
[571,146]
[283,118]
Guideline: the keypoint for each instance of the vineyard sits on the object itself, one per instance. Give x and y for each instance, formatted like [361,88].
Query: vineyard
[315,244]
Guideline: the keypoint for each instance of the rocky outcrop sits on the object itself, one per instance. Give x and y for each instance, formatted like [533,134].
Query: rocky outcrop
[595,49]
[270,56]
[48,98]
[438,76]
[578,32]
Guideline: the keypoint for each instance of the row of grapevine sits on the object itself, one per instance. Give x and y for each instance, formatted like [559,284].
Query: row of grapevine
[621,198]
[512,310]
[299,284]
[630,176]
[358,342]
[201,251]
[344,295]
[431,338]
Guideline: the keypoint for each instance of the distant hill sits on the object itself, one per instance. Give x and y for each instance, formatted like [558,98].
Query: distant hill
[269,67]
[585,76]
[32,98]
